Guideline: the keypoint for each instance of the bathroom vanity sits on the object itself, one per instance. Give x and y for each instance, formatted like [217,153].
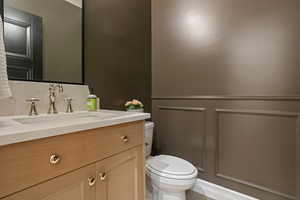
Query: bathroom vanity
[83,156]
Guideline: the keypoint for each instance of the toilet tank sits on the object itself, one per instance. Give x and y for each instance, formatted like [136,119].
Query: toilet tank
[149,126]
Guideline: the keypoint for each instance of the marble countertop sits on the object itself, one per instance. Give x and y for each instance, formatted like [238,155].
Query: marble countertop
[16,129]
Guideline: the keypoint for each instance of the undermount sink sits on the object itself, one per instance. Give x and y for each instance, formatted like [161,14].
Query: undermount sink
[64,117]
[8,123]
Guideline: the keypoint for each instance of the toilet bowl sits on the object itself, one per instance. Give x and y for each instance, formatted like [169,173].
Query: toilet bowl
[168,177]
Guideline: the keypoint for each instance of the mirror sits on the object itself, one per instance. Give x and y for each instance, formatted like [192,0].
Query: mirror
[43,40]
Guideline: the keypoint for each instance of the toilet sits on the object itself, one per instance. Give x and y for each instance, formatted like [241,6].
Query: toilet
[168,177]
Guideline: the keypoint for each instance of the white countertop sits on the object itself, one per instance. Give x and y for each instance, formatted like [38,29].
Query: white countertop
[16,129]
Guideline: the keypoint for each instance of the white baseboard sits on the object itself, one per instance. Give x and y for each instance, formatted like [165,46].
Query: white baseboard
[217,192]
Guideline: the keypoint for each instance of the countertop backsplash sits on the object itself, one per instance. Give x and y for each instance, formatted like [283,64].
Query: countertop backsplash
[22,90]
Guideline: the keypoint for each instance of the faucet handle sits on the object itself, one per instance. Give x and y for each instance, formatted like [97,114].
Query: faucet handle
[53,86]
[69,105]
[68,99]
[33,102]
[60,88]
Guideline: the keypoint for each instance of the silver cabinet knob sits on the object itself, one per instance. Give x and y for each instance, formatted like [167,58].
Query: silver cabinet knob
[33,102]
[102,176]
[92,181]
[54,159]
[124,139]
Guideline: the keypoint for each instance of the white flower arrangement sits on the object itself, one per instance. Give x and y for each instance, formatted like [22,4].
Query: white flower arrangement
[134,105]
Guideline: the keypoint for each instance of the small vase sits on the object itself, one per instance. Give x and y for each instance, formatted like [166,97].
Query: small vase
[136,110]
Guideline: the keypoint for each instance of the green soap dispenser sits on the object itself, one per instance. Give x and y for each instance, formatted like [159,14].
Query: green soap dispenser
[92,102]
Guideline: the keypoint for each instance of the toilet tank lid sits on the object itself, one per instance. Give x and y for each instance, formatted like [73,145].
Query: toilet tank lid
[170,165]
[149,125]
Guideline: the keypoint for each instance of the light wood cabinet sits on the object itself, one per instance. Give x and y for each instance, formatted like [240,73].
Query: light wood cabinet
[83,172]
[71,186]
[121,177]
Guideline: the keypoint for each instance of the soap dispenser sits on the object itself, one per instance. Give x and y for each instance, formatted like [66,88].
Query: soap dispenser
[92,102]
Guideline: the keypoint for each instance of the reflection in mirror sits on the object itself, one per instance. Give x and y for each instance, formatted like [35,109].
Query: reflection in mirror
[43,40]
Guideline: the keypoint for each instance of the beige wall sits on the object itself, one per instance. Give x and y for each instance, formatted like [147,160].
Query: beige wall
[61,37]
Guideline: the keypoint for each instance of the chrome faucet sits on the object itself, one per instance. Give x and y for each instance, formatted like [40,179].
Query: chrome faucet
[69,105]
[52,97]
[33,102]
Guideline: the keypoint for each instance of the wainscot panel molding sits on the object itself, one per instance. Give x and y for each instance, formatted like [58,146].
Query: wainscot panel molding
[182,108]
[298,158]
[259,112]
[250,144]
[220,97]
[262,155]
[176,124]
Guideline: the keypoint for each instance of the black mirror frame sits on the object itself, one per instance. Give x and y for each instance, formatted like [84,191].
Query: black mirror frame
[82,51]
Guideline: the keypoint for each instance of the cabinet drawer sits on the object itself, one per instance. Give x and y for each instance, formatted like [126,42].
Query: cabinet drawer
[26,164]
[71,186]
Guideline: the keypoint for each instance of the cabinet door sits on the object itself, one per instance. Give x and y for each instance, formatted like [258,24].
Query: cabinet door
[77,185]
[121,177]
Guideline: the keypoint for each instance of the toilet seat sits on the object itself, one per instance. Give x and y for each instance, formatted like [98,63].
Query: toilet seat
[171,167]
